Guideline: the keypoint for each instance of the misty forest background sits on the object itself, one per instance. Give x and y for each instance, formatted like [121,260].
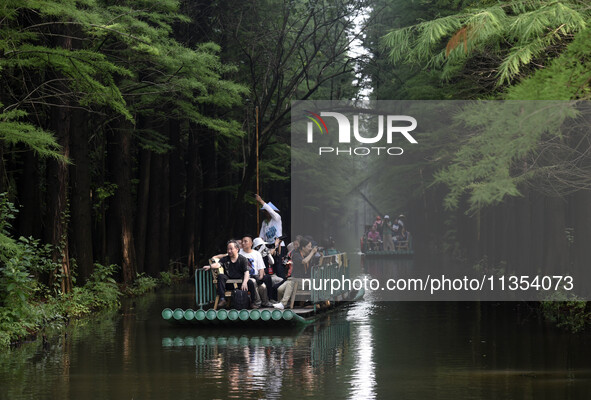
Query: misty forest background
[127,128]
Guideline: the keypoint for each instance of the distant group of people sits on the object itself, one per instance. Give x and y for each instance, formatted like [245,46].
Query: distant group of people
[386,234]
[265,264]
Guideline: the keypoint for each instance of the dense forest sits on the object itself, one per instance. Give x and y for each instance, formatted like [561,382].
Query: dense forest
[130,131]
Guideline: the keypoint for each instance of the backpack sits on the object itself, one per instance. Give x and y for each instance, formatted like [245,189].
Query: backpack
[240,299]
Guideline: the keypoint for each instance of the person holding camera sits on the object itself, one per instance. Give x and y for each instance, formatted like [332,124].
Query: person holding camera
[301,259]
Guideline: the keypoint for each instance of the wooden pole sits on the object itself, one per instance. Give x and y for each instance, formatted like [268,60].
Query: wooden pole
[257,167]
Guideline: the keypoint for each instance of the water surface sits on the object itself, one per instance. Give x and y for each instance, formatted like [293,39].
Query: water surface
[370,350]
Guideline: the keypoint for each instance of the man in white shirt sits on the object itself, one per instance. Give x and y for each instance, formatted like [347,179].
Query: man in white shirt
[257,271]
[271,227]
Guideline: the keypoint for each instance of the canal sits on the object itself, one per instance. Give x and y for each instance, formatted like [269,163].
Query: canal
[423,350]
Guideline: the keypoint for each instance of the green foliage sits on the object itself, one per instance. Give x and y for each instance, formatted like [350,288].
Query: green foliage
[22,314]
[13,131]
[566,78]
[103,286]
[567,312]
[516,32]
[21,311]
[98,55]
[493,160]
[142,284]
[167,278]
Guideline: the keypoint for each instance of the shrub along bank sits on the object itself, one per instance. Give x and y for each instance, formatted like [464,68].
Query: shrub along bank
[31,296]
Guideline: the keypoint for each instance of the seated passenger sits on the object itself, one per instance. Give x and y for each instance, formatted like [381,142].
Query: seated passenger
[235,266]
[300,259]
[271,280]
[256,270]
[402,235]
[373,239]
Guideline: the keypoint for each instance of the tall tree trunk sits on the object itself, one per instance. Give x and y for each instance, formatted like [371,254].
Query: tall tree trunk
[176,179]
[99,232]
[57,201]
[3,176]
[142,210]
[30,197]
[190,230]
[81,238]
[152,263]
[212,227]
[164,214]
[57,182]
[121,171]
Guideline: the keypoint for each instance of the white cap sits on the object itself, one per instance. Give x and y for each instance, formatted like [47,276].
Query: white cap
[257,242]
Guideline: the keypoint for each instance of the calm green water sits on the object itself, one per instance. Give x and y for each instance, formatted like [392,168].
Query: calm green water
[371,350]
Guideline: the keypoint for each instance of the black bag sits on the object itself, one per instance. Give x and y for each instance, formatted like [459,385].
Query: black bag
[240,299]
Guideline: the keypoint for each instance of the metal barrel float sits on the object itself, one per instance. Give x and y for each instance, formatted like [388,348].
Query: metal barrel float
[254,315]
[166,314]
[179,315]
[276,315]
[243,315]
[189,315]
[211,315]
[222,315]
[288,315]
[199,316]
[232,315]
[265,315]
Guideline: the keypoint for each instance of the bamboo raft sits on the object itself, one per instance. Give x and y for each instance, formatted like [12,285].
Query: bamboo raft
[318,302]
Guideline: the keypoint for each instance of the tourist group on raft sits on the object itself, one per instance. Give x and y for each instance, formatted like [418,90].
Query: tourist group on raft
[386,234]
[266,266]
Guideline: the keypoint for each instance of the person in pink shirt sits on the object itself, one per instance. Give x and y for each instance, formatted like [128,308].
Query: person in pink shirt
[374,239]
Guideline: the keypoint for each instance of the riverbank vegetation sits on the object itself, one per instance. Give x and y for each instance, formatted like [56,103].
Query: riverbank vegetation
[128,133]
[27,304]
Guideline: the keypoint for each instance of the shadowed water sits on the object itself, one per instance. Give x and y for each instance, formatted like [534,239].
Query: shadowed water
[370,350]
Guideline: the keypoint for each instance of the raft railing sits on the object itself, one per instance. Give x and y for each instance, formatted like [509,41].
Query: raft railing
[404,249]
[205,290]
[324,274]
[335,266]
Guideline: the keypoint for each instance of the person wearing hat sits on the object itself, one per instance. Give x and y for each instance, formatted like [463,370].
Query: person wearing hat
[401,219]
[271,228]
